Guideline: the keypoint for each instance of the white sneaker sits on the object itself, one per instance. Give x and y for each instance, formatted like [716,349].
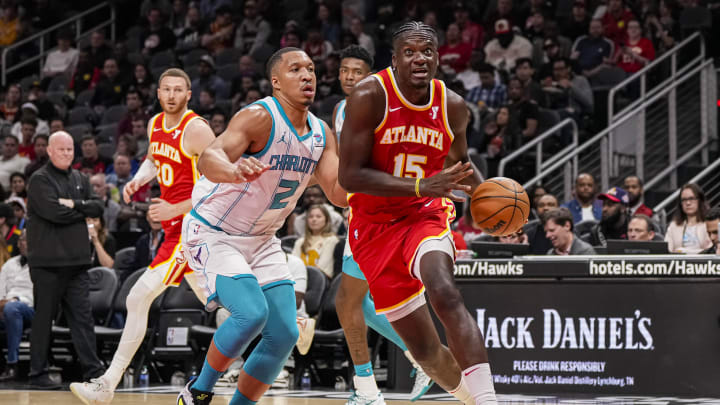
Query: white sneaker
[422,384]
[307,333]
[358,398]
[95,392]
[282,380]
[191,396]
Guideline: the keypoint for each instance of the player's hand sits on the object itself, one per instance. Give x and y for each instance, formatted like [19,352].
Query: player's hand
[161,210]
[249,169]
[130,188]
[67,202]
[444,183]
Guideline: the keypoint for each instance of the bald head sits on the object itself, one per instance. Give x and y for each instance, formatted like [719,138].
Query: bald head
[61,150]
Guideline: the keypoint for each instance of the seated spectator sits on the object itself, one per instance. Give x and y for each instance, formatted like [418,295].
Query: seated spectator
[18,186]
[110,88]
[19,207]
[218,122]
[207,79]
[146,247]
[90,157]
[111,207]
[330,29]
[536,192]
[466,225]
[584,206]
[11,27]
[634,187]
[489,95]
[61,61]
[640,227]
[253,94]
[312,196]
[316,247]
[316,46]
[569,94]
[28,125]
[687,233]
[502,9]
[507,47]
[16,303]
[327,77]
[143,81]
[363,39]
[254,31]
[525,71]
[8,230]
[10,162]
[99,51]
[517,238]
[524,111]
[615,20]
[614,221]
[38,96]
[29,111]
[188,36]
[206,103]
[220,33]
[40,143]
[711,225]
[56,124]
[102,243]
[592,53]
[454,56]
[134,102]
[471,33]
[86,75]
[10,107]
[558,226]
[636,52]
[127,145]
[501,135]
[576,25]
[539,243]
[662,28]
[121,172]
[156,37]
[140,136]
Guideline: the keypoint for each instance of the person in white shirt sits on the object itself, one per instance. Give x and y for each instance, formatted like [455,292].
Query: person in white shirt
[16,305]
[29,110]
[364,40]
[317,246]
[63,60]
[11,162]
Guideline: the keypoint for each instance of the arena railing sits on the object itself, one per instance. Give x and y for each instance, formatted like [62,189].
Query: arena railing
[541,163]
[42,38]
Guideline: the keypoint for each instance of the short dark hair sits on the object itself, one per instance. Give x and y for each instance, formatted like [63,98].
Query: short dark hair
[486,68]
[41,136]
[29,121]
[560,216]
[412,27]
[635,176]
[209,91]
[648,221]
[277,57]
[521,61]
[88,138]
[357,52]
[713,214]
[565,61]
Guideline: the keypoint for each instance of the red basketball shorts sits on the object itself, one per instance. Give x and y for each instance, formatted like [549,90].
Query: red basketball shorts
[169,258]
[386,252]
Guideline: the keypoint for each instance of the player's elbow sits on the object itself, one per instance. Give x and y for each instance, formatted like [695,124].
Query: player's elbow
[346,180]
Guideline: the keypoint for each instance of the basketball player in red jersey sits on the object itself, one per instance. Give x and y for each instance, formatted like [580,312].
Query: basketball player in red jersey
[403,152]
[177,136]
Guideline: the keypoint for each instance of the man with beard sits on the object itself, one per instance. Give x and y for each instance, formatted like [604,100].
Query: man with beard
[584,206]
[507,47]
[614,222]
[634,187]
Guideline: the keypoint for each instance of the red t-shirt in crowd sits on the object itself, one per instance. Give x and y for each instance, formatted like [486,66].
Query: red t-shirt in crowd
[457,57]
[643,47]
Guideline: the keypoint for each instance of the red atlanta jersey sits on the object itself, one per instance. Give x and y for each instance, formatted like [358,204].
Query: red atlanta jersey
[411,141]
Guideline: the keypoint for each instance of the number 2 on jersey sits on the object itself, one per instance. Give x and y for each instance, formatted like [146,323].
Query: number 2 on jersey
[278,202]
[409,165]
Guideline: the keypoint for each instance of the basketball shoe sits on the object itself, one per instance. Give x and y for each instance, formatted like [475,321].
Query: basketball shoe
[422,383]
[306,326]
[191,396]
[95,392]
[360,398]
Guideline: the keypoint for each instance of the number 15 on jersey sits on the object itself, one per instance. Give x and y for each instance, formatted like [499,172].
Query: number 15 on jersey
[408,165]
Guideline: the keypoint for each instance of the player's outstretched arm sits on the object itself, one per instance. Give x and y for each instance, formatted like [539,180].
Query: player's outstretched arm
[145,173]
[363,113]
[248,131]
[326,172]
[458,117]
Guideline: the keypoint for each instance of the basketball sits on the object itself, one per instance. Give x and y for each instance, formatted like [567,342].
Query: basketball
[500,206]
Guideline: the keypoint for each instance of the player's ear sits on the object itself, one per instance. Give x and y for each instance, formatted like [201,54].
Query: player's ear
[394,61]
[275,82]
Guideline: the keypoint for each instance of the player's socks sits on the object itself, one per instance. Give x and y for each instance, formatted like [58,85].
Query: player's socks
[462,394]
[207,378]
[380,324]
[478,380]
[365,380]
[239,399]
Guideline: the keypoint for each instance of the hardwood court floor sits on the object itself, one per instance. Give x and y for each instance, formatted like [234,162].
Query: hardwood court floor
[165,395]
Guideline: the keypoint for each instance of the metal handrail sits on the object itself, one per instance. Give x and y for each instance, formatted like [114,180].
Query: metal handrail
[660,208]
[4,70]
[537,142]
[620,121]
[670,54]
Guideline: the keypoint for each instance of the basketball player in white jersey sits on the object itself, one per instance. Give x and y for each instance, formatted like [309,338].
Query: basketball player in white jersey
[354,305]
[177,137]
[238,205]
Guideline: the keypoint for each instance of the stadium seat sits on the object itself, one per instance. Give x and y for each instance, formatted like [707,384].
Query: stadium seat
[81,115]
[193,57]
[106,150]
[288,243]
[84,98]
[27,81]
[317,284]
[78,131]
[124,260]
[113,114]
[163,59]
[58,83]
[227,72]
[228,56]
[57,98]
[582,229]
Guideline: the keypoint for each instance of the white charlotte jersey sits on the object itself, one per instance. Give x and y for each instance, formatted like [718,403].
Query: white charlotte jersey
[339,118]
[260,207]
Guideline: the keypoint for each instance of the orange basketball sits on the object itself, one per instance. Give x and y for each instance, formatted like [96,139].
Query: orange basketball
[500,206]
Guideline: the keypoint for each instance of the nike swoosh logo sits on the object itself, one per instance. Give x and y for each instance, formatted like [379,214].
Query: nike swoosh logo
[175,222]
[156,129]
[394,109]
[471,371]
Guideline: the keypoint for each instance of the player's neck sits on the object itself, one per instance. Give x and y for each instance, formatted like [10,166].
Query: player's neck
[296,113]
[172,120]
[412,94]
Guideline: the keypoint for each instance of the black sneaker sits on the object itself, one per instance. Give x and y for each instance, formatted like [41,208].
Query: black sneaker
[191,396]
[44,382]
[10,372]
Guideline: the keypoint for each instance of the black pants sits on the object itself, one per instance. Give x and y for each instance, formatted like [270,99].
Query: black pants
[69,286]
